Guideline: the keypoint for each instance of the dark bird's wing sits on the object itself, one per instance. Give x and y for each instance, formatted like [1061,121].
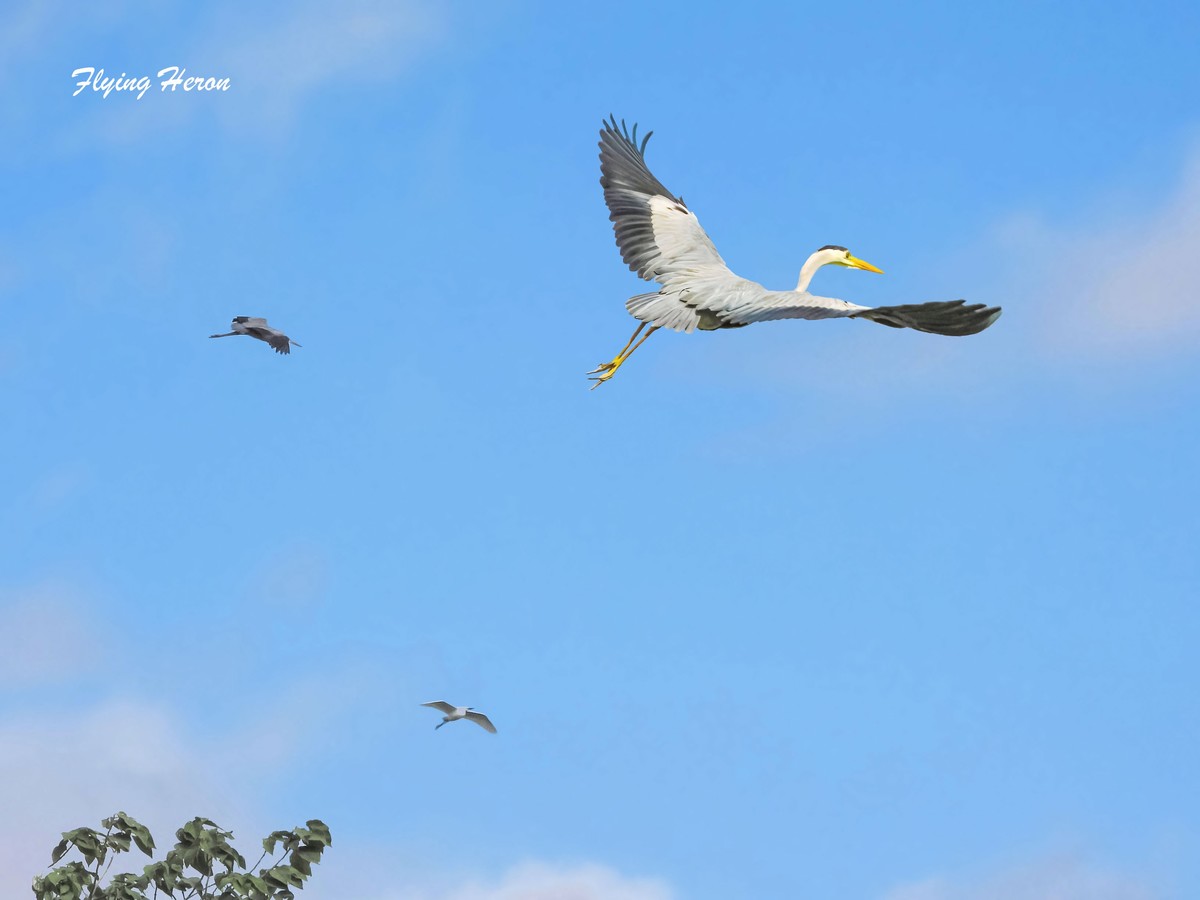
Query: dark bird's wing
[279,341]
[273,336]
[951,317]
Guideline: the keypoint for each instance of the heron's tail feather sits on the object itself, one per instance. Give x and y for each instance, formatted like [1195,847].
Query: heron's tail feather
[950,317]
[663,310]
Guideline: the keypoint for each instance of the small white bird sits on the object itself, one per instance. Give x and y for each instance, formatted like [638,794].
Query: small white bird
[257,327]
[454,713]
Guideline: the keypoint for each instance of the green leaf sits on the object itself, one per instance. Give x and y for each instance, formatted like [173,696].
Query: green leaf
[300,864]
[320,831]
[192,881]
[273,838]
[310,852]
[199,860]
[119,841]
[59,850]
[141,837]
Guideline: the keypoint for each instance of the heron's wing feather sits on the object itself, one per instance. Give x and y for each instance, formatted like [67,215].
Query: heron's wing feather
[276,338]
[767,306]
[482,721]
[949,317]
[658,236]
[445,707]
[251,320]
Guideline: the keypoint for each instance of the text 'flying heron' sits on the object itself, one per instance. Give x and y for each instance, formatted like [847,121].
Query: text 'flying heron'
[256,327]
[661,239]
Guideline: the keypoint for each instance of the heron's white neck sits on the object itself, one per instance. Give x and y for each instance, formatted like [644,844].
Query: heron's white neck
[808,270]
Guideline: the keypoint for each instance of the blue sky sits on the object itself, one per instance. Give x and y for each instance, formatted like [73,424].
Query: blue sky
[799,610]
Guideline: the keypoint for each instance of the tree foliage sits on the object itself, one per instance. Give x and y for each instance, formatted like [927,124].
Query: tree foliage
[202,865]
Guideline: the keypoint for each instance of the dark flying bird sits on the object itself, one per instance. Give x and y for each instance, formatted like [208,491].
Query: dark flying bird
[258,328]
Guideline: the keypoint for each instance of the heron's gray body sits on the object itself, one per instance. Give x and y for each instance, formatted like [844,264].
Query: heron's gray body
[257,327]
[662,240]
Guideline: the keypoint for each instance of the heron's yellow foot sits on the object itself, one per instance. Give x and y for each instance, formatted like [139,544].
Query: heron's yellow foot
[604,371]
[608,366]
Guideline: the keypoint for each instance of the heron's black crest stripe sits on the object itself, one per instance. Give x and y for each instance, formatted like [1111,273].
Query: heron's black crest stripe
[833,247]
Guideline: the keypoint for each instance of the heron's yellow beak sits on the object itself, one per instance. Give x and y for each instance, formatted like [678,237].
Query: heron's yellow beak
[855,263]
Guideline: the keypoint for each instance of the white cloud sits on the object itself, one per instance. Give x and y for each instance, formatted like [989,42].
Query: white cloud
[71,769]
[26,28]
[538,881]
[275,62]
[44,635]
[1121,289]
[282,61]
[1058,878]
[527,881]
[294,577]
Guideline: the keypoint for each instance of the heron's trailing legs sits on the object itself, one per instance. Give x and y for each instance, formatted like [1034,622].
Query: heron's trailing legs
[607,370]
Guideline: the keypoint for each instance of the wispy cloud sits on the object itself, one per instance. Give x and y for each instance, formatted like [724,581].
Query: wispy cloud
[1058,878]
[284,61]
[45,635]
[1126,288]
[1123,294]
[276,60]
[527,881]
[66,770]
[294,577]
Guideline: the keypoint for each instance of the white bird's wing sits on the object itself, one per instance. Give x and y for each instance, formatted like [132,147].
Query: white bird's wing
[482,721]
[445,707]
[658,236]
[662,240]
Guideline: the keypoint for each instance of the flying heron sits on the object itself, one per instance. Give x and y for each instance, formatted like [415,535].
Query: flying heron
[454,713]
[257,327]
[662,240]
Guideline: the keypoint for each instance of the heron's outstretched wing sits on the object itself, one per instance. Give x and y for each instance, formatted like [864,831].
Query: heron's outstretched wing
[279,341]
[276,338]
[482,721]
[659,237]
[949,317]
[445,707]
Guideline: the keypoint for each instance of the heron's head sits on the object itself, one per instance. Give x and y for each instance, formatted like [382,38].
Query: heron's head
[831,255]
